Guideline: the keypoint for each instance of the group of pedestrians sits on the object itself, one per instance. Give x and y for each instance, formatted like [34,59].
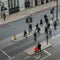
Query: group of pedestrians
[47,29]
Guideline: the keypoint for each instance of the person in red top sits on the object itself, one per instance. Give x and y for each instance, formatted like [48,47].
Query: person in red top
[36,49]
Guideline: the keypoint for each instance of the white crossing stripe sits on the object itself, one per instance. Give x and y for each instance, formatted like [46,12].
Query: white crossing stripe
[27,57]
[6,54]
[47,52]
[58,35]
[53,37]
[45,56]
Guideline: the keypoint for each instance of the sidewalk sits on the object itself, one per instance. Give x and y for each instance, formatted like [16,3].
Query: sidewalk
[27,12]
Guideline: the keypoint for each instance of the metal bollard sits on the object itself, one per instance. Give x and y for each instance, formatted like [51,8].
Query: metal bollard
[14,37]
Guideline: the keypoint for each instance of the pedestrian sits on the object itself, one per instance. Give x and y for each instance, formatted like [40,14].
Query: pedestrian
[52,13]
[47,38]
[37,26]
[38,29]
[48,25]
[25,34]
[30,19]
[46,30]
[50,32]
[47,21]
[55,25]
[4,16]
[30,27]
[35,36]
[39,47]
[46,18]
[41,22]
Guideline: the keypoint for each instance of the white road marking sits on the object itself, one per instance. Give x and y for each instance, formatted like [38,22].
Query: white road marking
[27,57]
[53,37]
[46,56]
[47,52]
[37,57]
[58,35]
[59,42]
[6,54]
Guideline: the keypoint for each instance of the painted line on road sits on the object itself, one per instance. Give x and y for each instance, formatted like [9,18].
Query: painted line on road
[58,35]
[55,36]
[49,54]
[45,57]
[27,57]
[6,54]
[37,57]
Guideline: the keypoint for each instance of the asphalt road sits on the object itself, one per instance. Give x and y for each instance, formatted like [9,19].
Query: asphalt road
[18,47]
[54,50]
[19,26]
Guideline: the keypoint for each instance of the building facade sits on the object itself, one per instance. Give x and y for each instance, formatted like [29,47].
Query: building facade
[19,5]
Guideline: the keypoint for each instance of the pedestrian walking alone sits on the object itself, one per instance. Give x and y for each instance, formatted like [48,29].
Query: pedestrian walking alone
[47,38]
[46,30]
[50,32]
[41,22]
[48,25]
[35,36]
[37,26]
[55,25]
[25,34]
[4,16]
[39,47]
[38,29]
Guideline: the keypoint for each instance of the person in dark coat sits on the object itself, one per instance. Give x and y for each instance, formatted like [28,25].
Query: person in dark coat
[39,47]
[41,22]
[25,33]
[55,25]
[46,30]
[47,21]
[48,25]
[37,26]
[30,28]
[50,32]
[46,18]
[35,36]
[38,30]
[4,16]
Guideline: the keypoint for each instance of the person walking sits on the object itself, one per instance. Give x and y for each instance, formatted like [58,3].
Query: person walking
[48,25]
[35,36]
[41,22]
[39,47]
[50,32]
[55,25]
[4,16]
[52,13]
[25,34]
[38,29]
[46,30]
[47,38]
[37,26]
